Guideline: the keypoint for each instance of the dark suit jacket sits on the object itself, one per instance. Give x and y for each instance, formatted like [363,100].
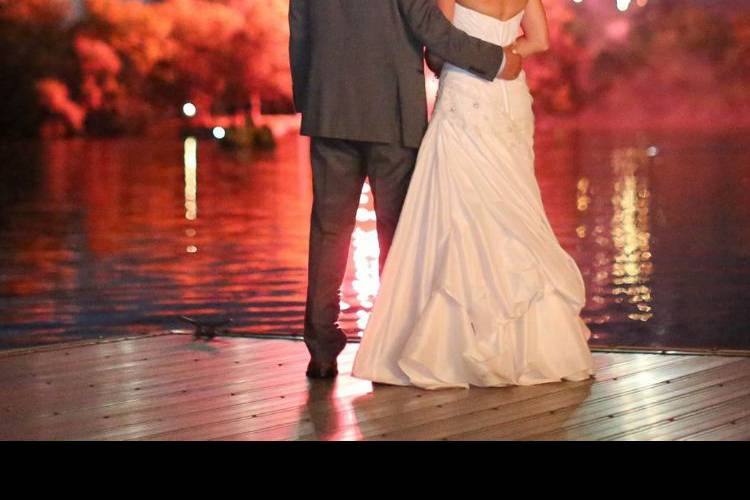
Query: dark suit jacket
[357,67]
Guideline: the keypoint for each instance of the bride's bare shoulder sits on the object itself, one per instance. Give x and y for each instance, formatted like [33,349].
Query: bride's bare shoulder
[500,9]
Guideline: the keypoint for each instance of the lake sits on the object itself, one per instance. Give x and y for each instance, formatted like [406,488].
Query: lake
[106,238]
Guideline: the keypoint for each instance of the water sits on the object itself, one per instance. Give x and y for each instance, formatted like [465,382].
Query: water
[120,237]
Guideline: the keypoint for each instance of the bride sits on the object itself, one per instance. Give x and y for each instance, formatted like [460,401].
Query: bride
[476,289]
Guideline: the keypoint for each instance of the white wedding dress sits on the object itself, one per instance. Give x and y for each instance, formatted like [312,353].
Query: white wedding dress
[476,289]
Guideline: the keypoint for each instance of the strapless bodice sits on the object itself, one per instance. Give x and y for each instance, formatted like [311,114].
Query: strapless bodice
[486,27]
[489,29]
[473,101]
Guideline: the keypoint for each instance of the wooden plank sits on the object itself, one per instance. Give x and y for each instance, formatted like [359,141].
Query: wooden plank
[705,420]
[37,350]
[390,405]
[735,430]
[176,350]
[650,411]
[380,419]
[152,388]
[206,394]
[177,358]
[556,419]
[488,405]
[96,352]
[107,404]
[155,390]
[226,424]
[287,425]
[163,372]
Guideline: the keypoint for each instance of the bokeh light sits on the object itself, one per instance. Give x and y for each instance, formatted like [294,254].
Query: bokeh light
[219,132]
[189,109]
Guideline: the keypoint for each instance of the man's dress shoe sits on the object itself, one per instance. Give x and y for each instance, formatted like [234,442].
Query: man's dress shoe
[318,369]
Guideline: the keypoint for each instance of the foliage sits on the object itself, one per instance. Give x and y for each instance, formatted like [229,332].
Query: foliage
[671,64]
[125,64]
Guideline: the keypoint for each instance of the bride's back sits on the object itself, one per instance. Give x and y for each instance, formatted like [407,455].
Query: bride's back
[500,9]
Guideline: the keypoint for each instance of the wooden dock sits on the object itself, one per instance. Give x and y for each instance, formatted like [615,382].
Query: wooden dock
[168,387]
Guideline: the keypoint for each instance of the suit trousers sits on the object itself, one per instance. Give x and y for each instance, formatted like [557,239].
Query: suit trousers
[339,169]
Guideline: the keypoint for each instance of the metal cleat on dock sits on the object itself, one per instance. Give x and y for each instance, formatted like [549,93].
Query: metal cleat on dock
[206,328]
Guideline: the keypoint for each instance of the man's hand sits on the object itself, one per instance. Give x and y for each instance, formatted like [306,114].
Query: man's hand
[512,67]
[434,63]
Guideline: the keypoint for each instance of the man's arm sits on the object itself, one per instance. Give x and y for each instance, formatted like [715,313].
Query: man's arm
[299,50]
[447,42]
[448,8]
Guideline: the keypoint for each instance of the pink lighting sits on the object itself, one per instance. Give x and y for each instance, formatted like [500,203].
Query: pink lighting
[618,30]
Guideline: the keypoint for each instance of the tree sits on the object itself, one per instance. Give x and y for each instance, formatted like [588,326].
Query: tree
[35,45]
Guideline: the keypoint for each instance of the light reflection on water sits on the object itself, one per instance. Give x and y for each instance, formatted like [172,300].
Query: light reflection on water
[625,275]
[105,238]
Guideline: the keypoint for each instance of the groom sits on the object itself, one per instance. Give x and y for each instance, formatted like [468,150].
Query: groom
[358,80]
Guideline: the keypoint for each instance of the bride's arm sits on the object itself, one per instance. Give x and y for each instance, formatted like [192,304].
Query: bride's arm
[535,37]
[447,7]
